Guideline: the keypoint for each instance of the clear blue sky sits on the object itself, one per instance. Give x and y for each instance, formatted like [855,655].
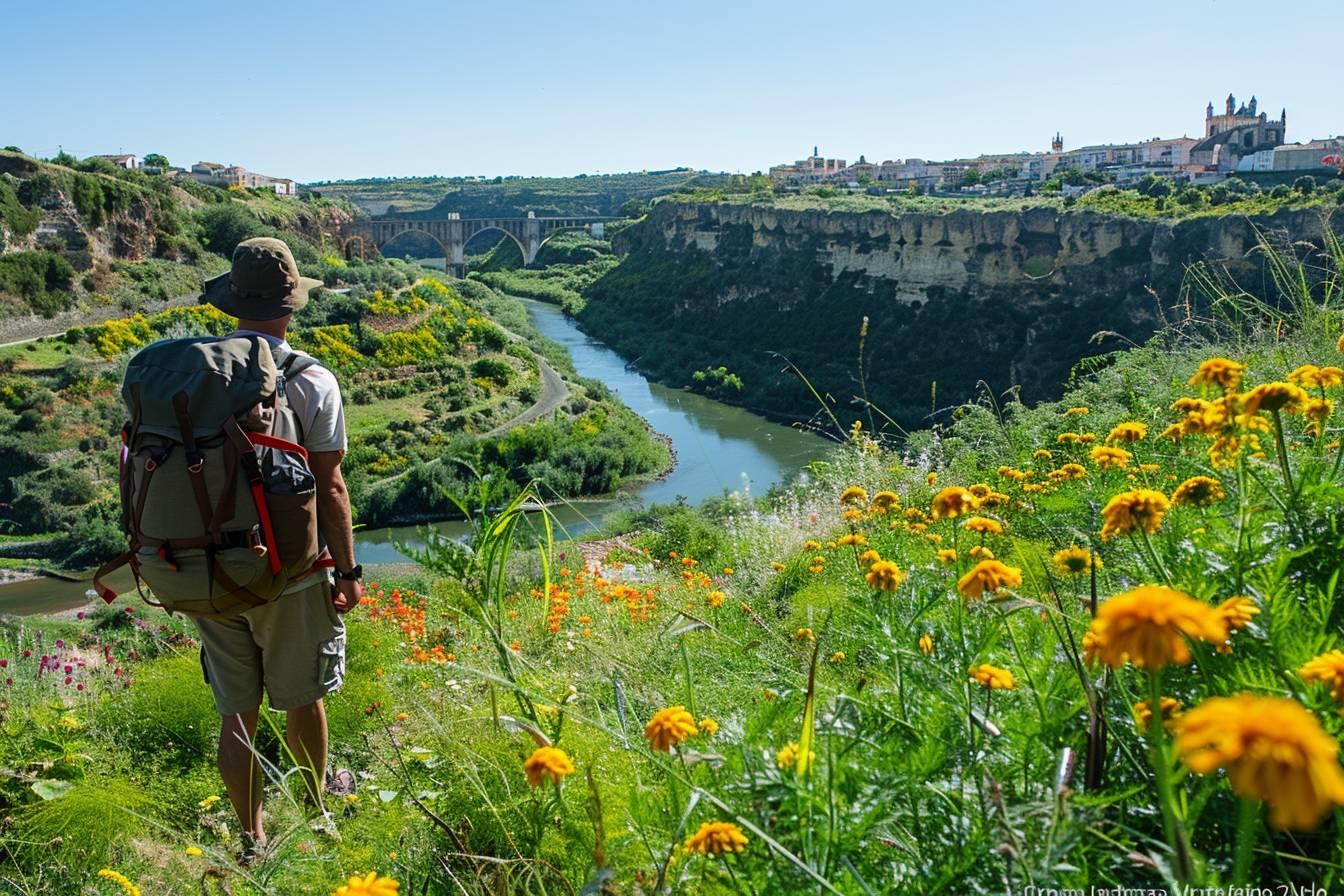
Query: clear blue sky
[336,89]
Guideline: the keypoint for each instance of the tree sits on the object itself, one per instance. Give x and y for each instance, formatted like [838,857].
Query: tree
[156,160]
[1306,185]
[634,208]
[970,177]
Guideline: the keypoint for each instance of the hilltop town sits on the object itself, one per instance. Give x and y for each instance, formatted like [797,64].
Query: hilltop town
[1241,141]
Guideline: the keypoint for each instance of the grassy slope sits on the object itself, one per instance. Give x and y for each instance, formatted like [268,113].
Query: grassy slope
[909,793]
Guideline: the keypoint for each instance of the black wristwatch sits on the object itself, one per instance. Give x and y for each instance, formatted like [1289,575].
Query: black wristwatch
[353,575]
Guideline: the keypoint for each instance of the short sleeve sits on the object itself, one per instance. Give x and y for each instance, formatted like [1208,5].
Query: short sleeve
[320,409]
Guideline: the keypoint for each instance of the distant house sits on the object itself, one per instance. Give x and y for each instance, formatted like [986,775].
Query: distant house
[129,162]
[217,175]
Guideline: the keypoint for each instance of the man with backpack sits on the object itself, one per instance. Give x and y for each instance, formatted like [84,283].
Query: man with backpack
[230,470]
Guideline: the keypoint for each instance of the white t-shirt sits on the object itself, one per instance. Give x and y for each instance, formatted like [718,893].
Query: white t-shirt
[315,397]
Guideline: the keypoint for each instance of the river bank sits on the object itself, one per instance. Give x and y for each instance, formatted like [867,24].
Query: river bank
[715,448]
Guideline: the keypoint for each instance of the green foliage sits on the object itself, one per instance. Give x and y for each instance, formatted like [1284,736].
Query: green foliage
[42,279]
[14,216]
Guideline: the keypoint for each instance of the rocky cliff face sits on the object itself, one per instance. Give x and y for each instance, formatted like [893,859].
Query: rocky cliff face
[1008,297]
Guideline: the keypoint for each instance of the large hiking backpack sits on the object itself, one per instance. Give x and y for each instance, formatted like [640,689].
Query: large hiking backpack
[218,502]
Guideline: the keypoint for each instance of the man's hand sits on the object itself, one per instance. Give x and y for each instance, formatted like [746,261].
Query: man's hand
[346,594]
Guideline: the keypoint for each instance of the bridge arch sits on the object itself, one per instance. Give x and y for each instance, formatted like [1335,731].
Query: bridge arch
[419,232]
[348,248]
[558,230]
[468,237]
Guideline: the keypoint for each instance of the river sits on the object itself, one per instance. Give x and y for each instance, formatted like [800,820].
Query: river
[718,448]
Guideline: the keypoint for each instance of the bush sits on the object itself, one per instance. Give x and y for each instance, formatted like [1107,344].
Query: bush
[42,279]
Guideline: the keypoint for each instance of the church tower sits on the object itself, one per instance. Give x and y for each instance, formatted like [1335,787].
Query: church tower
[1231,104]
[1057,144]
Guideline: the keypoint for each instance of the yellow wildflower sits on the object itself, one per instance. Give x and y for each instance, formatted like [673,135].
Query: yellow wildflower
[716,837]
[1148,627]
[1110,458]
[120,880]
[1128,432]
[1075,561]
[952,502]
[1077,412]
[371,884]
[715,599]
[993,678]
[1198,491]
[788,756]
[1237,612]
[884,576]
[547,763]
[1141,508]
[1221,372]
[838,657]
[868,558]
[669,727]
[1328,669]
[947,556]
[884,501]
[926,643]
[1274,751]
[980,552]
[804,634]
[709,726]
[852,538]
[988,575]
[854,495]
[1170,708]
[984,525]
[1274,397]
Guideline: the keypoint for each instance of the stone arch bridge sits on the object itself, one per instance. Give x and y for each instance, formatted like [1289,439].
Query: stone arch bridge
[453,232]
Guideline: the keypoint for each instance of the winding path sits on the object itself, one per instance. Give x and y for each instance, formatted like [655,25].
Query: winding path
[554,393]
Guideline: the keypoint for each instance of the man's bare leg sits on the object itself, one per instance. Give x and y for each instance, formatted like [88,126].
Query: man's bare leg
[241,772]
[306,734]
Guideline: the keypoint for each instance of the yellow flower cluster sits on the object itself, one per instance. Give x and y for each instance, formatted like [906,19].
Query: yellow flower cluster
[992,678]
[371,884]
[1141,509]
[988,575]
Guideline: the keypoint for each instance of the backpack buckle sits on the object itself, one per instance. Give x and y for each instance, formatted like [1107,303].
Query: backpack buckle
[151,465]
[195,462]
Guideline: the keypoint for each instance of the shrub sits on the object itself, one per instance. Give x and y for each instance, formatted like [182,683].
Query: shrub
[42,279]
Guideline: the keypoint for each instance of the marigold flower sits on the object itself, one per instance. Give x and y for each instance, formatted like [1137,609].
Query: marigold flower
[777,566]
[1309,376]
[885,500]
[926,643]
[984,525]
[1274,750]
[1075,561]
[1042,454]
[1148,627]
[1110,458]
[980,552]
[547,763]
[1073,471]
[993,678]
[370,884]
[788,756]
[669,727]
[811,545]
[854,495]
[868,558]
[1328,669]
[1129,432]
[838,657]
[1077,412]
[709,726]
[952,502]
[715,599]
[1143,714]
[947,556]
[1237,612]
[1142,508]
[1274,397]
[988,575]
[1068,438]
[1221,372]
[1198,491]
[715,838]
[884,576]
[804,634]
[857,539]
[933,538]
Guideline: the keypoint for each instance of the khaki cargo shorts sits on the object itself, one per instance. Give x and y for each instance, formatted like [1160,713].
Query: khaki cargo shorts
[294,647]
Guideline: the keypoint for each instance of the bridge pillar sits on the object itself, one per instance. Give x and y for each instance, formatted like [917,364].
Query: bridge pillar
[455,242]
[531,239]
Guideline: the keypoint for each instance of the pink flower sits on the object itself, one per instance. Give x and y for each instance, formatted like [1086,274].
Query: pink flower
[60,645]
[68,679]
[27,653]
[4,664]
[69,669]
[79,615]
[80,686]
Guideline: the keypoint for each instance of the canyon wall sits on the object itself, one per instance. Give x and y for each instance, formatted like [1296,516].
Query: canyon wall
[1011,298]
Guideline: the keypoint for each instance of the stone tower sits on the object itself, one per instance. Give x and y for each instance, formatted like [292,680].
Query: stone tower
[1057,144]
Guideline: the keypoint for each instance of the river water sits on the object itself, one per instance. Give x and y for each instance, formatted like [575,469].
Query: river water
[718,448]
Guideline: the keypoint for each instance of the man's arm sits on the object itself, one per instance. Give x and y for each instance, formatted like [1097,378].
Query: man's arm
[333,518]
